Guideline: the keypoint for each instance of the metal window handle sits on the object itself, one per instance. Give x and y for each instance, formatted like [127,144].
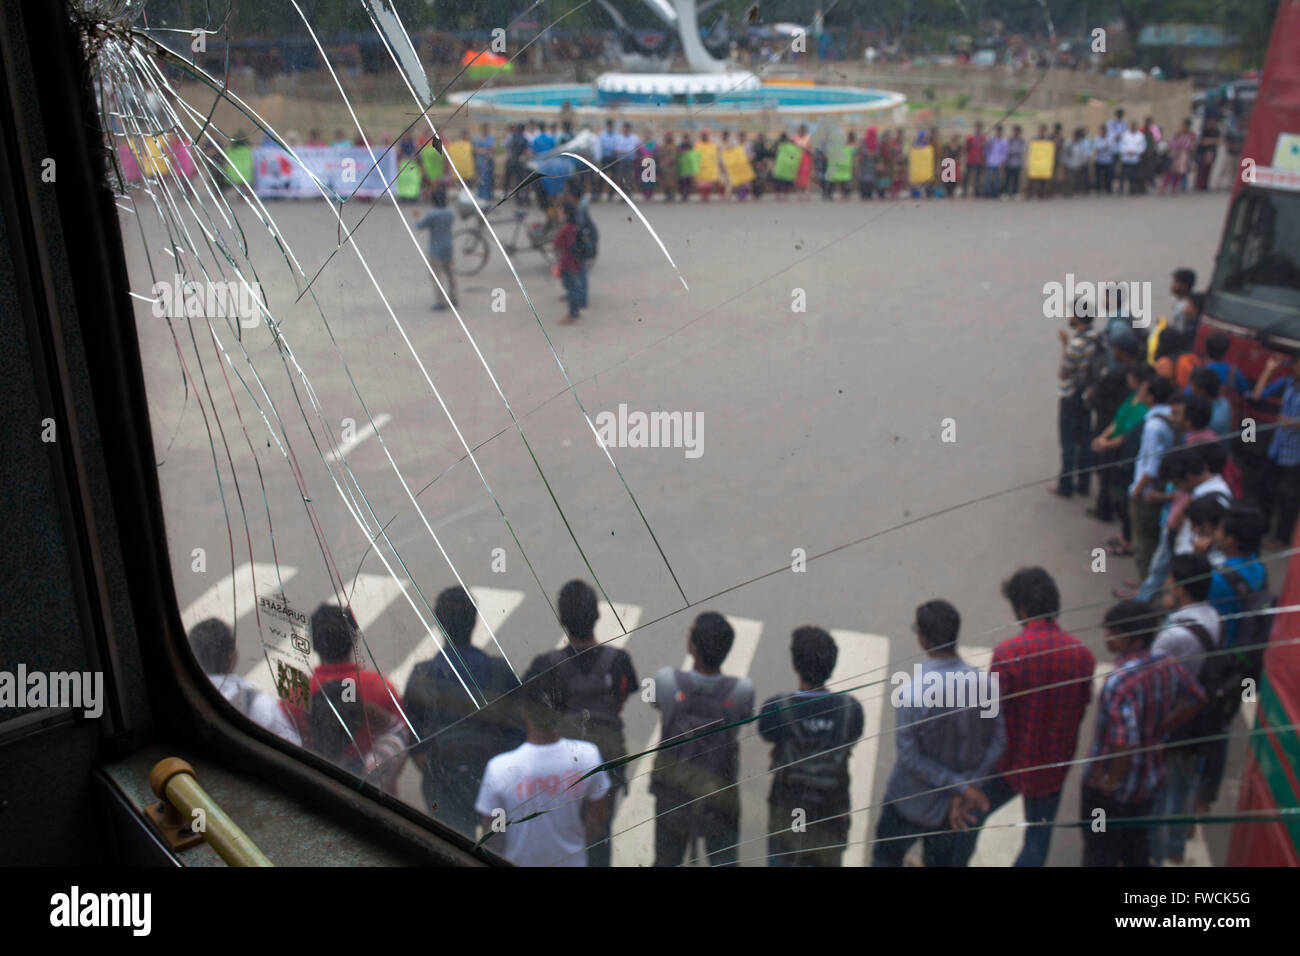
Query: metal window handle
[173,781]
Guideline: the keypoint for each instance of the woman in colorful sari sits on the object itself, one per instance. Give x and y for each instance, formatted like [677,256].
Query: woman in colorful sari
[803,179]
[866,162]
[666,166]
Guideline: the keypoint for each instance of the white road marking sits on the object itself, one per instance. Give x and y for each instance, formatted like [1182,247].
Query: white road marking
[361,434]
[494,604]
[369,598]
[216,601]
[862,659]
[607,629]
[636,848]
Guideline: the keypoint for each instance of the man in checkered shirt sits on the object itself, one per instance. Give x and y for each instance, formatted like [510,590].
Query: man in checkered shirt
[1044,684]
[1149,694]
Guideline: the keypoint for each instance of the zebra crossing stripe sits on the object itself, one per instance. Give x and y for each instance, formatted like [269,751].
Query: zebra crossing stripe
[607,629]
[862,659]
[369,597]
[217,600]
[347,447]
[636,848]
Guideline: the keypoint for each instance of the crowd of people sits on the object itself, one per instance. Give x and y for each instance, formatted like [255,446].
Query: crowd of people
[1003,161]
[530,764]
[536,766]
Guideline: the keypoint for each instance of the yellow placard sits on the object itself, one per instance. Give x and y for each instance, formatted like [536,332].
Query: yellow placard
[154,163]
[920,165]
[736,163]
[1042,157]
[1153,340]
[708,162]
[461,154]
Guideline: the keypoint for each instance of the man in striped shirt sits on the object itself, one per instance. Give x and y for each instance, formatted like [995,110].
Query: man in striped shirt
[1147,695]
[1079,343]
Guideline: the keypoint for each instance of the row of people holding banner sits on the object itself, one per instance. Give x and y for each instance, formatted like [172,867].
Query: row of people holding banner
[675,167]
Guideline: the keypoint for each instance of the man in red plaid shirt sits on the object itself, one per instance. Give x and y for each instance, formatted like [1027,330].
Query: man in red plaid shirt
[1148,695]
[1044,685]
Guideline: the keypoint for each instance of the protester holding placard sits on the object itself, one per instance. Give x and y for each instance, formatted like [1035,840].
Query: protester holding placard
[740,174]
[785,168]
[707,171]
[688,165]
[1042,159]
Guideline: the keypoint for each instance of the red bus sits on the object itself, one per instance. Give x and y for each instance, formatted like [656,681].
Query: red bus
[1254,297]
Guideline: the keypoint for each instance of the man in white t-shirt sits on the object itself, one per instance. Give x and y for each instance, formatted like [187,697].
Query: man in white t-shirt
[213,644]
[628,142]
[1131,147]
[536,802]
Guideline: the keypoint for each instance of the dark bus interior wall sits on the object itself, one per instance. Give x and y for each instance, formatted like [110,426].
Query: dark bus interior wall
[85,564]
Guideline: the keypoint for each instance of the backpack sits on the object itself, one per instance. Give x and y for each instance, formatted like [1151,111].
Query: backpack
[701,764]
[1097,365]
[1254,629]
[811,763]
[589,709]
[453,729]
[584,245]
[1221,677]
[331,730]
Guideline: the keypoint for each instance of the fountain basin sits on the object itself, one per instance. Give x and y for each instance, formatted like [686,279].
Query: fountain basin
[673,95]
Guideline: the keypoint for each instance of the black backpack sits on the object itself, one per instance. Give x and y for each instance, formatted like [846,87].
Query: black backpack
[589,707]
[812,760]
[453,729]
[1097,365]
[697,762]
[1252,630]
[1221,678]
[584,246]
[331,730]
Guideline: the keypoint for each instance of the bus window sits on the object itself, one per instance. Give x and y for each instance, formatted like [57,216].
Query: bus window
[1260,253]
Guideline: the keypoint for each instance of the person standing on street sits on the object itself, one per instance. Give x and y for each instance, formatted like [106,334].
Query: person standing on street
[1045,683]
[594,682]
[439,221]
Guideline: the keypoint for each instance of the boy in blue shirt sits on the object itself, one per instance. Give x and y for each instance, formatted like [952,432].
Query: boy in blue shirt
[439,221]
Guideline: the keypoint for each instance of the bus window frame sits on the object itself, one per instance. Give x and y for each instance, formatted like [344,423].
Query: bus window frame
[83,251]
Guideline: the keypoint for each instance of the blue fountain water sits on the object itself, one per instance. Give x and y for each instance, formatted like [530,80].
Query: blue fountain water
[552,98]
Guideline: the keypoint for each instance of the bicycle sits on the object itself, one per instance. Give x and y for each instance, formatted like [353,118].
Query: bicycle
[471,245]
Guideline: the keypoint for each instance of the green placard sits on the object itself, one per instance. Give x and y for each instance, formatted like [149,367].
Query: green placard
[841,166]
[688,162]
[408,180]
[240,163]
[434,164]
[786,164]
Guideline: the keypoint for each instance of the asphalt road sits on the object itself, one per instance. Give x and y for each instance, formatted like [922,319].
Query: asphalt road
[822,430]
